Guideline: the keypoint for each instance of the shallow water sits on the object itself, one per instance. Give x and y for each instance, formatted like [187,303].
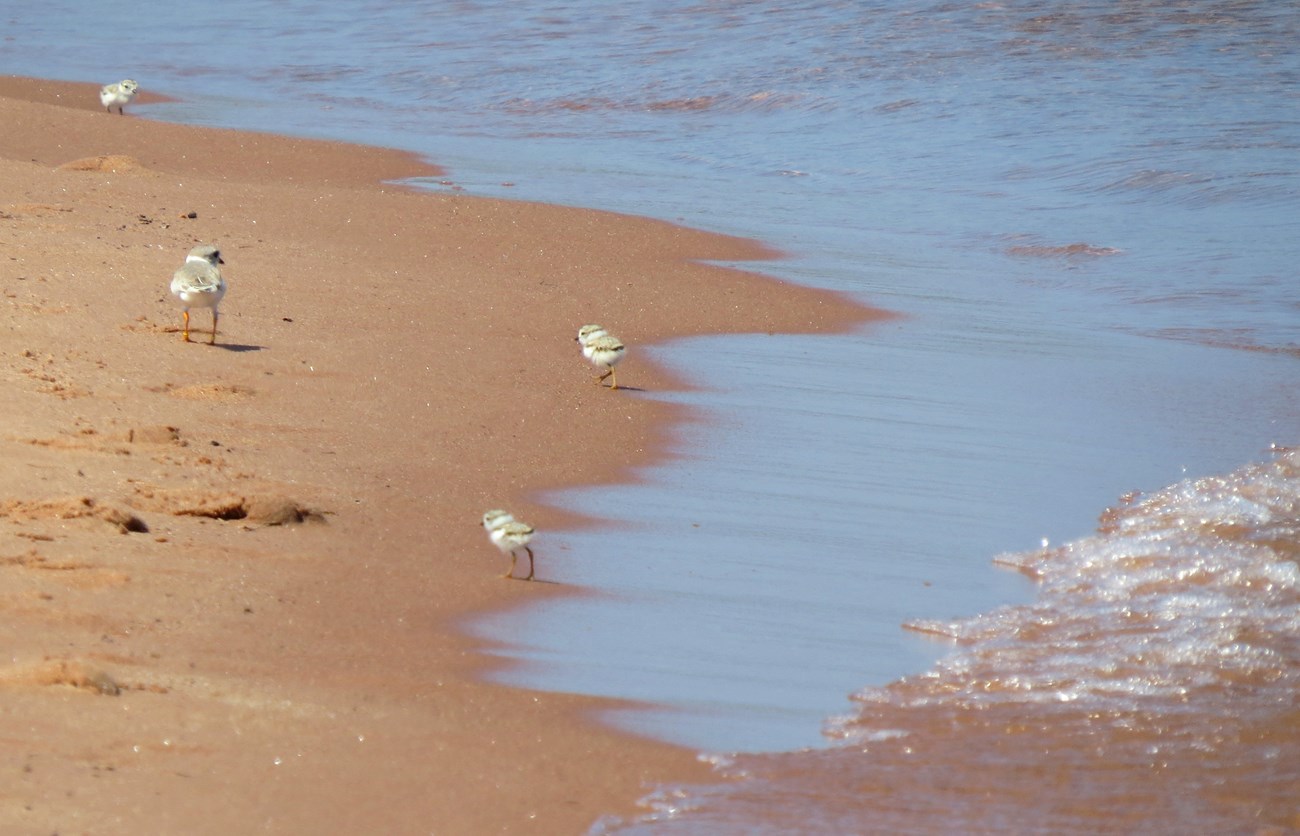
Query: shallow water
[1088,710]
[785,579]
[1085,212]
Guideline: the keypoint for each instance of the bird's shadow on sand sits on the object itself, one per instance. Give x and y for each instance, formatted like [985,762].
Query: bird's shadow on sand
[534,580]
[237,348]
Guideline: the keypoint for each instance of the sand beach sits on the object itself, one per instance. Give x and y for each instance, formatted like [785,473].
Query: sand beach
[233,574]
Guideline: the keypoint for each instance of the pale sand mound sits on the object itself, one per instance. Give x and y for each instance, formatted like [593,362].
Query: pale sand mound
[261,509]
[69,508]
[119,443]
[62,672]
[112,163]
[37,209]
[209,391]
[159,434]
[73,573]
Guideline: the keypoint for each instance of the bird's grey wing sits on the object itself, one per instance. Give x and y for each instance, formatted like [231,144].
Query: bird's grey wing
[198,278]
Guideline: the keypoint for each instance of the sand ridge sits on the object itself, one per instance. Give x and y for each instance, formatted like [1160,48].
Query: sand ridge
[235,571]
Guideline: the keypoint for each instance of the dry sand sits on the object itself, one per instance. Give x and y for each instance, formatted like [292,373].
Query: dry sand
[230,576]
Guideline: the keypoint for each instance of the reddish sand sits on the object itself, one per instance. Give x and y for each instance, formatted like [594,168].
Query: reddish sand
[232,575]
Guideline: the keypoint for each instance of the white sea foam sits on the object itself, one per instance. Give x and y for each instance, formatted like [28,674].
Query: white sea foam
[1182,594]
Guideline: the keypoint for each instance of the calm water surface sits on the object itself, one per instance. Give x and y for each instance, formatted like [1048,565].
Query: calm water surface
[1085,212]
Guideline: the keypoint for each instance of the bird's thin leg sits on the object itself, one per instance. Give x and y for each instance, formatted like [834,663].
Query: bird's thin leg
[186,329]
[213,341]
[601,378]
[511,573]
[613,379]
[530,563]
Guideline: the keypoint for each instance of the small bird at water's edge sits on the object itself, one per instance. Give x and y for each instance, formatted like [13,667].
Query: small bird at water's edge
[509,535]
[118,94]
[603,349]
[198,284]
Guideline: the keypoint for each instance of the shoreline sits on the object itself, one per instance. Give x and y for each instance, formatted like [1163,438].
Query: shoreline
[316,669]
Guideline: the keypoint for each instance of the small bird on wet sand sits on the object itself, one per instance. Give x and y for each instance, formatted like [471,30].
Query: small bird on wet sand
[603,349]
[198,284]
[509,535]
[118,94]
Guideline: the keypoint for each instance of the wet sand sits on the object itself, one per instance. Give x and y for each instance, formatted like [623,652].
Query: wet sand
[233,575]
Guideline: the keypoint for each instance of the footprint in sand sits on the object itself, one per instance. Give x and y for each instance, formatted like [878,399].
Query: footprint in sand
[45,371]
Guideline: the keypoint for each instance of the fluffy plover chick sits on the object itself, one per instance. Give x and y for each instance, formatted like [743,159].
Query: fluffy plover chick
[198,284]
[603,349]
[509,535]
[117,95]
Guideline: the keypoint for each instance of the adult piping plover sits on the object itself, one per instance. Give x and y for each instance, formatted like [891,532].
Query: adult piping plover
[603,349]
[198,284]
[509,535]
[118,94]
